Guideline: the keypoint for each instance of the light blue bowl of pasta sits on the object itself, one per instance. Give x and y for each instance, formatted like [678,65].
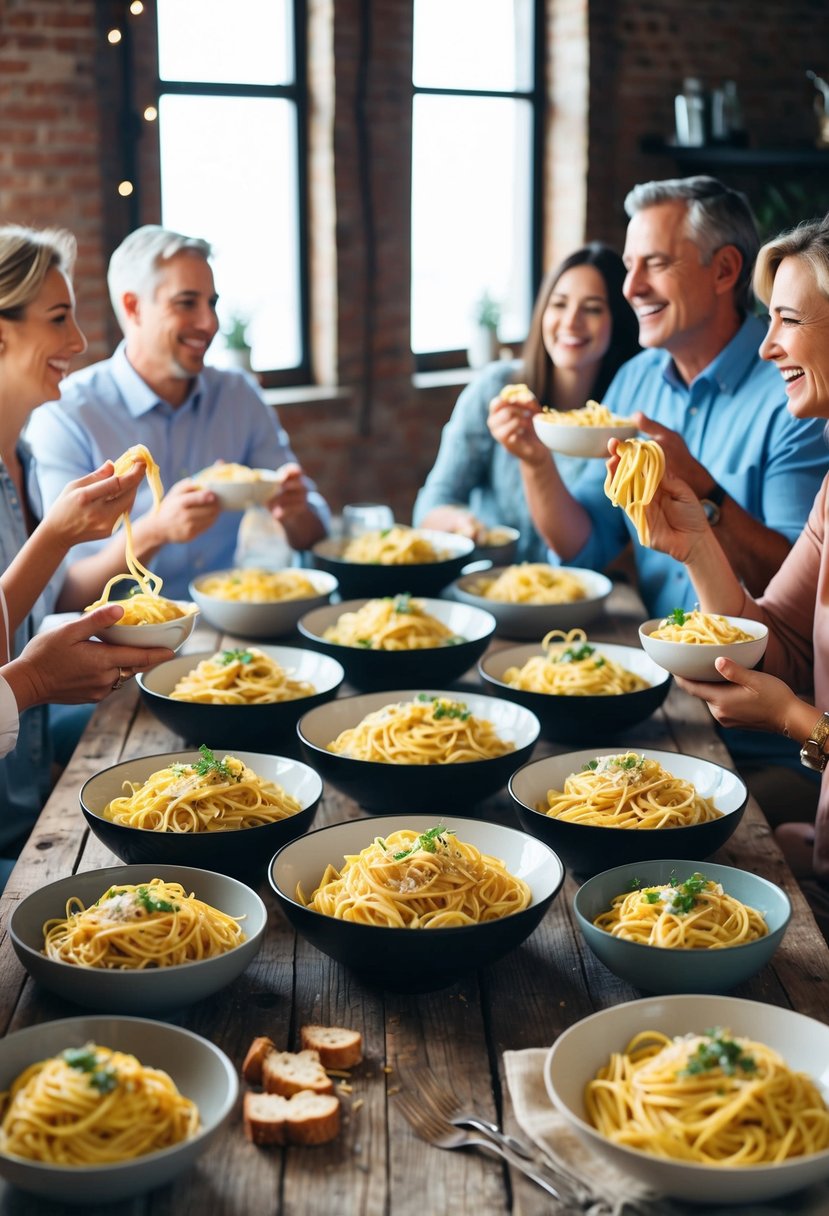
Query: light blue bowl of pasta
[660,969]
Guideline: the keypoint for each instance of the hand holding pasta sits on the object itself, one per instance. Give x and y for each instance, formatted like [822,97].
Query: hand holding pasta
[571,667]
[700,629]
[428,730]
[636,479]
[393,623]
[695,914]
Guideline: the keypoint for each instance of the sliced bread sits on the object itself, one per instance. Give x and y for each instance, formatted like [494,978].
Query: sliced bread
[289,1072]
[336,1046]
[304,1118]
[252,1064]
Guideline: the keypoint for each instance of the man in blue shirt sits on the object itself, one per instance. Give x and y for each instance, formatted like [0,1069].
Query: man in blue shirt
[156,390]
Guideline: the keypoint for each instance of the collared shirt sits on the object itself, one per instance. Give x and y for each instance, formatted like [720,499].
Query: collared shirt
[108,407]
[734,420]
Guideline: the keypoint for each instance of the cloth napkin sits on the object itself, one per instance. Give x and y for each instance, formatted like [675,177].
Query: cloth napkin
[599,1188]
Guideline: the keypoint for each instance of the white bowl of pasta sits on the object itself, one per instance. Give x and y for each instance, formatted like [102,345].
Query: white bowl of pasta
[406,750]
[531,598]
[390,642]
[237,486]
[175,1109]
[580,440]
[514,879]
[172,633]
[692,642]
[720,1054]
[418,560]
[250,603]
[682,926]
[149,937]
[201,808]
[585,806]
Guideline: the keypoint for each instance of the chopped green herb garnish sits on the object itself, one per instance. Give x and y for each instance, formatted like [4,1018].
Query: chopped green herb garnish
[428,842]
[365,643]
[209,764]
[685,897]
[454,640]
[235,656]
[676,617]
[385,532]
[86,1060]
[145,896]
[652,897]
[403,603]
[445,709]
[719,1052]
[575,654]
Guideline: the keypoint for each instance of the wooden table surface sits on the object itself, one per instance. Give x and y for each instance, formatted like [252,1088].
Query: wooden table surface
[377,1166]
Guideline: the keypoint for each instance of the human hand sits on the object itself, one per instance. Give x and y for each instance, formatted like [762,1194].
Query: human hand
[455,518]
[678,460]
[90,507]
[291,497]
[510,423]
[185,511]
[748,698]
[676,520]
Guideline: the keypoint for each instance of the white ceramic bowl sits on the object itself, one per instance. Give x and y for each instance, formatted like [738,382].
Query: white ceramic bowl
[696,661]
[590,441]
[532,621]
[579,1053]
[153,989]
[245,619]
[201,1072]
[172,634]
[239,495]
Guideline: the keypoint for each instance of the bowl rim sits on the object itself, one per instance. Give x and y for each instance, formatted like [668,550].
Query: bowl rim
[647,628]
[311,573]
[196,656]
[432,603]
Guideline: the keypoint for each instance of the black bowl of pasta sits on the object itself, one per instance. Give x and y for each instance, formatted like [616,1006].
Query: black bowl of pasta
[578,689]
[418,749]
[393,939]
[249,697]
[396,640]
[150,937]
[417,560]
[688,807]
[202,808]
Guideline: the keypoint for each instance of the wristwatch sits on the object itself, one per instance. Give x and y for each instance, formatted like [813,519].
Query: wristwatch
[812,754]
[712,503]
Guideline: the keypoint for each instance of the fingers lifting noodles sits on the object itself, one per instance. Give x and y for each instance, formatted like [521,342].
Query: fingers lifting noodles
[635,481]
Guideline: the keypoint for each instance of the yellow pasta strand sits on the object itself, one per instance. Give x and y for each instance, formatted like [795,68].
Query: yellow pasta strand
[592,414]
[571,667]
[392,623]
[428,730]
[635,481]
[240,677]
[531,583]
[700,629]
[252,586]
[696,914]
[397,546]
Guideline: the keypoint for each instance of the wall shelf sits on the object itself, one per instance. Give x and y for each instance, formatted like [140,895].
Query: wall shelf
[748,159]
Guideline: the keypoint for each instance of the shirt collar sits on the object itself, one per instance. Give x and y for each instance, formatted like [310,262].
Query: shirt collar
[138,397]
[730,366]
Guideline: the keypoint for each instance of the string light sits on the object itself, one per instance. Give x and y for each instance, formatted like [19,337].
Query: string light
[136,8]
[114,37]
[125,189]
[150,113]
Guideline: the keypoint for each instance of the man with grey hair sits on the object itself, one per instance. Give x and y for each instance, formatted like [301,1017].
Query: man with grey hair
[156,390]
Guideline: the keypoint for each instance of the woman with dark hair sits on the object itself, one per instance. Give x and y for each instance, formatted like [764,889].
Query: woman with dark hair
[582,330]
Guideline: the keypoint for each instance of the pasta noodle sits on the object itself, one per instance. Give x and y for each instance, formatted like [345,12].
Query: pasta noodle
[516,392]
[696,914]
[392,623]
[232,472]
[427,881]
[700,628]
[206,796]
[592,414]
[428,730]
[240,677]
[531,583]
[92,1106]
[132,928]
[628,791]
[571,667]
[707,1099]
[635,481]
[249,586]
[395,546]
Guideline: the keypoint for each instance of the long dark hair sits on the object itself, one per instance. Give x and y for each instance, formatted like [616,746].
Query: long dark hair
[624,337]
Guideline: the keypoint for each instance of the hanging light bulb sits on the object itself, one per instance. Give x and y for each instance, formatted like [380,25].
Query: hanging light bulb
[114,37]
[125,189]
[136,8]
[150,113]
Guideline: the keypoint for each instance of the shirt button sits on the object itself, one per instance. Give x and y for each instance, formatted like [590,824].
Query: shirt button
[694,410]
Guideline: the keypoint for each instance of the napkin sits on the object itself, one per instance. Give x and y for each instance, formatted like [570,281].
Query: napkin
[610,1192]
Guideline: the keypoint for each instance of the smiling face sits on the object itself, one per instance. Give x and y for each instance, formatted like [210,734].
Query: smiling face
[38,349]
[169,331]
[798,338]
[576,326]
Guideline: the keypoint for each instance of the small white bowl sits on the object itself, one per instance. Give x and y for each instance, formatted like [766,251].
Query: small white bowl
[695,661]
[238,495]
[584,1048]
[172,634]
[271,619]
[590,441]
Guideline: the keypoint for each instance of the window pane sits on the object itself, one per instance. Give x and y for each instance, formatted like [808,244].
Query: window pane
[225,41]
[471,216]
[473,44]
[229,174]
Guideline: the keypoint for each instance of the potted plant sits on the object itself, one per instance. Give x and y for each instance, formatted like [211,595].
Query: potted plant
[484,345]
[235,334]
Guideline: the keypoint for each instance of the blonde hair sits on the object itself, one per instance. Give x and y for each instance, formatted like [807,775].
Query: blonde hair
[26,257]
[809,241]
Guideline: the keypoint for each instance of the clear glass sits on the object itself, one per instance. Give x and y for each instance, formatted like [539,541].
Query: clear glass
[229,174]
[226,41]
[471,217]
[473,44]
[362,517]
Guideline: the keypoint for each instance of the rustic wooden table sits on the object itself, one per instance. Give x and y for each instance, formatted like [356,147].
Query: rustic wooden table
[378,1167]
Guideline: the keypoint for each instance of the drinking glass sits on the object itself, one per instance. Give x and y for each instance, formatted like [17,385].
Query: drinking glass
[362,517]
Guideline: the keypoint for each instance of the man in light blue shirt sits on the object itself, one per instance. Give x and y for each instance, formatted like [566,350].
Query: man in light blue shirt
[156,390]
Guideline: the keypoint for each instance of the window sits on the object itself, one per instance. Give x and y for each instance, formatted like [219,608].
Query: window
[476,124]
[231,134]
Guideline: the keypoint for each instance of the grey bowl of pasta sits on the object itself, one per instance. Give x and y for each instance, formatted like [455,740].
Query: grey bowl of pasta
[393,938]
[149,937]
[252,603]
[686,806]
[531,598]
[682,926]
[179,808]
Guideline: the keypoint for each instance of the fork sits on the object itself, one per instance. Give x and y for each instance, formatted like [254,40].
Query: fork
[435,1130]
[452,1109]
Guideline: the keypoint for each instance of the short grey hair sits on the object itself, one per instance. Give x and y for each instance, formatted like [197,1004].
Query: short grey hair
[809,241]
[137,262]
[716,216]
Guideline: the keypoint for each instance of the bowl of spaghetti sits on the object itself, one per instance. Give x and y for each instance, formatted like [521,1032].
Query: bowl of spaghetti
[147,937]
[583,432]
[531,598]
[248,697]
[171,1088]
[688,643]
[394,560]
[418,748]
[682,926]
[713,1097]
[251,603]
[237,486]
[498,545]
[200,808]
[156,622]
[575,687]
[393,641]
[599,809]
[415,902]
